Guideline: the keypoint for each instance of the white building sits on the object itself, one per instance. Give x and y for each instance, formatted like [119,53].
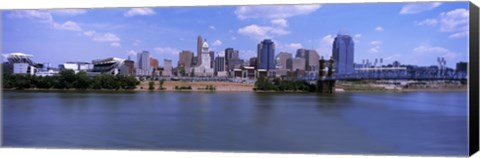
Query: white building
[23,68]
[19,63]
[76,66]
[49,72]
[205,69]
[143,64]
[111,66]
[167,68]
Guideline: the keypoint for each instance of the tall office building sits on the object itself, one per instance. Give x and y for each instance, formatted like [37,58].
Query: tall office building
[199,50]
[311,58]
[266,55]
[143,64]
[312,63]
[281,60]
[342,53]
[301,53]
[219,63]
[153,63]
[461,67]
[186,59]
[130,67]
[253,62]
[294,64]
[231,58]
[212,59]
[167,68]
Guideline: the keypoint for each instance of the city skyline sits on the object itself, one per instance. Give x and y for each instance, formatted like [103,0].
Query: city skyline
[420,33]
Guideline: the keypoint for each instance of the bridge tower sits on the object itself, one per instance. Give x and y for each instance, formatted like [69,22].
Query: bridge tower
[325,83]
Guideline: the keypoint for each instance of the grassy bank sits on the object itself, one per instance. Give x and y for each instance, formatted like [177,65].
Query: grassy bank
[195,86]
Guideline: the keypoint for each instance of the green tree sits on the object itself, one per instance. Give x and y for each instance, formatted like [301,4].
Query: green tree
[82,81]
[161,82]
[151,85]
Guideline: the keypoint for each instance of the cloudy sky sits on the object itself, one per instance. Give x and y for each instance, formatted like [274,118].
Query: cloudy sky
[412,33]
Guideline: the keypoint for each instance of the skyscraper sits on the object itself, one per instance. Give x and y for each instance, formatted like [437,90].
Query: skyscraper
[212,59]
[153,63]
[204,69]
[219,63]
[266,55]
[185,58]
[143,64]
[342,53]
[199,50]
[312,63]
[311,58]
[281,59]
[167,68]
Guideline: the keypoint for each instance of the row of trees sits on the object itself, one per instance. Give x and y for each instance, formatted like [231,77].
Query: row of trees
[67,79]
[151,85]
[277,84]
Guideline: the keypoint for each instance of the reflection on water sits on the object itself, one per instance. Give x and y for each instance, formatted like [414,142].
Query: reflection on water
[413,123]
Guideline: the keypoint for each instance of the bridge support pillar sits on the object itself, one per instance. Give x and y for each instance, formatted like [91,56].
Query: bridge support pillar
[326,86]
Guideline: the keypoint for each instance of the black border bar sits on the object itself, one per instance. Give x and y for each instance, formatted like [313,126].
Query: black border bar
[473,75]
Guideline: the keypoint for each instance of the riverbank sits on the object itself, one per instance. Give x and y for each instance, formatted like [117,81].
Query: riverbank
[197,86]
[398,88]
[242,87]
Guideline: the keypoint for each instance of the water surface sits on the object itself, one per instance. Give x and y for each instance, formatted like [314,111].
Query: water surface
[409,123]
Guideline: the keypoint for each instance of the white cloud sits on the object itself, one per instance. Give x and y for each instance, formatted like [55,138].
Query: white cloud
[107,37]
[261,32]
[131,52]
[166,50]
[69,25]
[115,44]
[293,46]
[89,33]
[375,49]
[234,38]
[217,43]
[459,34]
[379,28]
[326,43]
[46,17]
[356,37]
[139,11]
[426,49]
[279,22]
[69,11]
[392,57]
[274,11]
[136,42]
[42,16]
[414,8]
[427,22]
[376,42]
[212,27]
[455,21]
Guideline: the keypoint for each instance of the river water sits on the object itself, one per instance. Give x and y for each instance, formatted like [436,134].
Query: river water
[379,123]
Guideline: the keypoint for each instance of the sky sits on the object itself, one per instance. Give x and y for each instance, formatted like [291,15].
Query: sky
[411,33]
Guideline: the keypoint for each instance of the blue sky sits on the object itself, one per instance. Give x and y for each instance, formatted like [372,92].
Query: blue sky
[412,33]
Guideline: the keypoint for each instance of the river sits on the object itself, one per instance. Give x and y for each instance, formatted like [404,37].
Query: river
[378,123]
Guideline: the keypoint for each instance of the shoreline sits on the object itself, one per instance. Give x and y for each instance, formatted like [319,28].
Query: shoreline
[232,90]
[169,86]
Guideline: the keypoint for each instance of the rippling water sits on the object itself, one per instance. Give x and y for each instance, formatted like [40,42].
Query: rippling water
[409,123]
